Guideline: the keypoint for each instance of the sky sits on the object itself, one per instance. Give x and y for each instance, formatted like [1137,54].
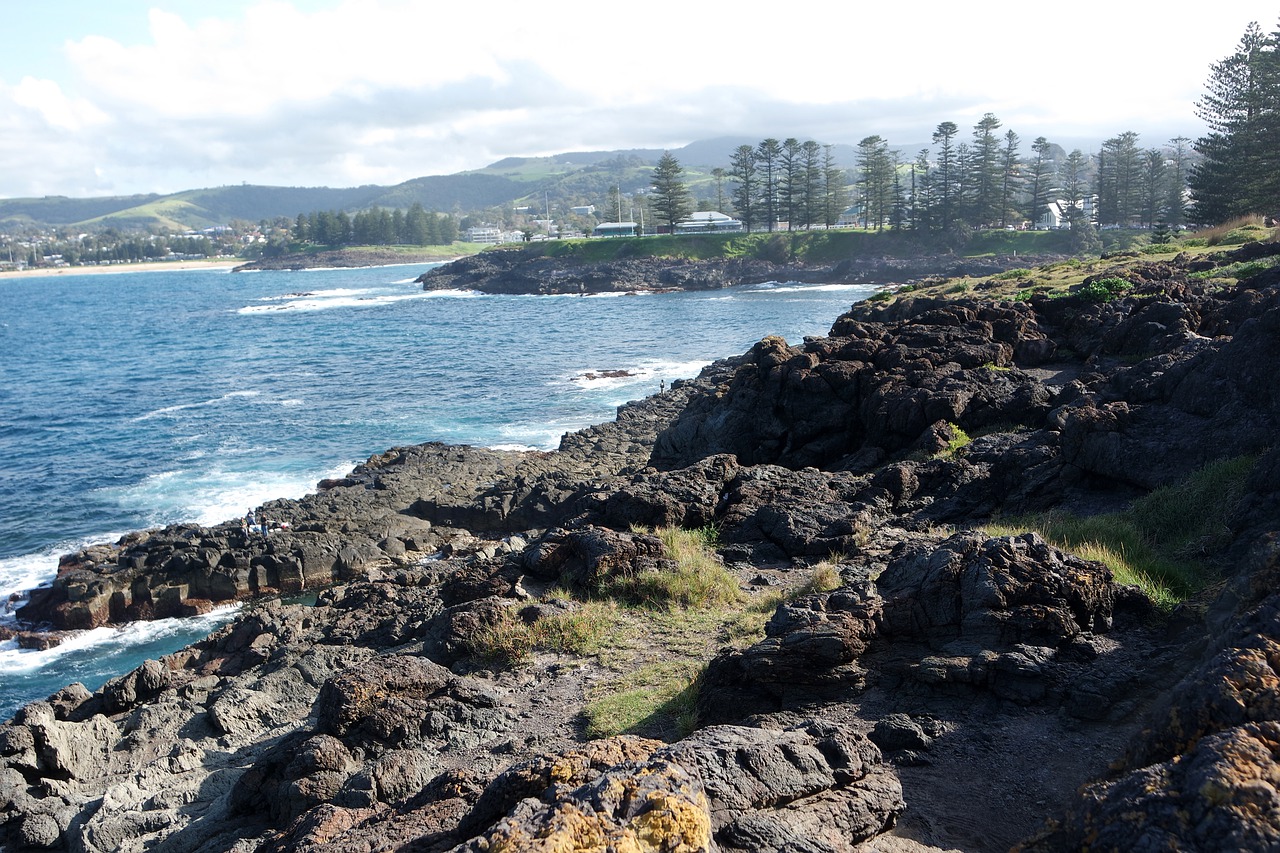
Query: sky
[128,96]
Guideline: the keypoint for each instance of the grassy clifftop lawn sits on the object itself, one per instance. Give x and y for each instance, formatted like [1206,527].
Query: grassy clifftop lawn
[825,247]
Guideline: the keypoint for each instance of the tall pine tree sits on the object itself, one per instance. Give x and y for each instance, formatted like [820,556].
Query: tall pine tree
[1239,171]
[746,189]
[670,194]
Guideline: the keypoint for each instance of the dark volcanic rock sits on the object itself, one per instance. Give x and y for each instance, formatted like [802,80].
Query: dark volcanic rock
[528,271]
[1012,602]
[813,788]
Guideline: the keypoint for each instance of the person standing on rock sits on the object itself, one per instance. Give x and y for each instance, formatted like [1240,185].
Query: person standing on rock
[248,524]
[265,525]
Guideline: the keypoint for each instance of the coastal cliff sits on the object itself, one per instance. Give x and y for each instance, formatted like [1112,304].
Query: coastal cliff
[909,651]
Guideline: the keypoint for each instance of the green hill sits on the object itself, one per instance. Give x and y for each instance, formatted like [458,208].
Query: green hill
[563,179]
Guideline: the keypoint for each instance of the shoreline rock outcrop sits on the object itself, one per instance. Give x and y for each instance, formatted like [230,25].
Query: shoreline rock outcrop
[513,271]
[938,653]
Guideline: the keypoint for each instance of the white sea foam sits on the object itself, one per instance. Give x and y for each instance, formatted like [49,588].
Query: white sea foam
[332,293]
[167,411]
[454,294]
[645,373]
[539,435]
[14,661]
[328,303]
[214,495]
[28,571]
[796,287]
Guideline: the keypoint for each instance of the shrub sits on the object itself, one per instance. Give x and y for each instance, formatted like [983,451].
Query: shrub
[1013,275]
[1104,289]
[823,577]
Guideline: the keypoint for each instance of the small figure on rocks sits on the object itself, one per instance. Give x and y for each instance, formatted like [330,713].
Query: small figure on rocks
[247,524]
[662,386]
[265,524]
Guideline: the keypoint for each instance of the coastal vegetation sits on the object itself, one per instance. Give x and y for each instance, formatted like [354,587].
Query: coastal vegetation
[1162,542]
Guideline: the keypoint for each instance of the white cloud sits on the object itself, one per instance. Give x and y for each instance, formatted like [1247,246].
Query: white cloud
[386,90]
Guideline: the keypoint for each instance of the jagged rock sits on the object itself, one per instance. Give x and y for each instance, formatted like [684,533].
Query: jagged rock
[815,787]
[404,701]
[336,727]
[586,559]
[899,731]
[1000,596]
[1013,589]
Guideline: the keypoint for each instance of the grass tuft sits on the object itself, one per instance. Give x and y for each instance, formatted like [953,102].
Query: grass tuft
[511,640]
[657,700]
[699,579]
[1161,542]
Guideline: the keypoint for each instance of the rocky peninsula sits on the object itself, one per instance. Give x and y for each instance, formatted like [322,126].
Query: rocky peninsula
[367,256]
[514,271]
[922,681]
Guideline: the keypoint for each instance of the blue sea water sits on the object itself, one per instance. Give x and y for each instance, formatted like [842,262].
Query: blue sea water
[133,400]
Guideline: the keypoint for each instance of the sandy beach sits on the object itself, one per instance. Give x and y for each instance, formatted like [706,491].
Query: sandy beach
[155,266]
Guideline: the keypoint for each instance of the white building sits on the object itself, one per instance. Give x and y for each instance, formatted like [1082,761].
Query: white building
[705,221]
[615,229]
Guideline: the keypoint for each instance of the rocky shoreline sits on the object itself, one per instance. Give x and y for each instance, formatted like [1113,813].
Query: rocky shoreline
[340,259]
[950,689]
[517,272]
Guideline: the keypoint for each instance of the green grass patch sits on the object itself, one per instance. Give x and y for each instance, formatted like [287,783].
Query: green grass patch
[452,250]
[511,640]
[698,580]
[657,700]
[1237,271]
[1163,542]
[1013,275]
[959,439]
[1235,232]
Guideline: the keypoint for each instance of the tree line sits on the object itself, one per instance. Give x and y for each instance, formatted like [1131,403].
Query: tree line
[986,181]
[953,187]
[792,181]
[376,227]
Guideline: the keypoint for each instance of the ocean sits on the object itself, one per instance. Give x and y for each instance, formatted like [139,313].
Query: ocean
[133,400]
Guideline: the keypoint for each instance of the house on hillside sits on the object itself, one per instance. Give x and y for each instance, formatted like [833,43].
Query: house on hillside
[1055,213]
[484,234]
[705,221]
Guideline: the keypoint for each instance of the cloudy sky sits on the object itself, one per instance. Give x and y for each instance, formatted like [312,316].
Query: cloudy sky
[105,98]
